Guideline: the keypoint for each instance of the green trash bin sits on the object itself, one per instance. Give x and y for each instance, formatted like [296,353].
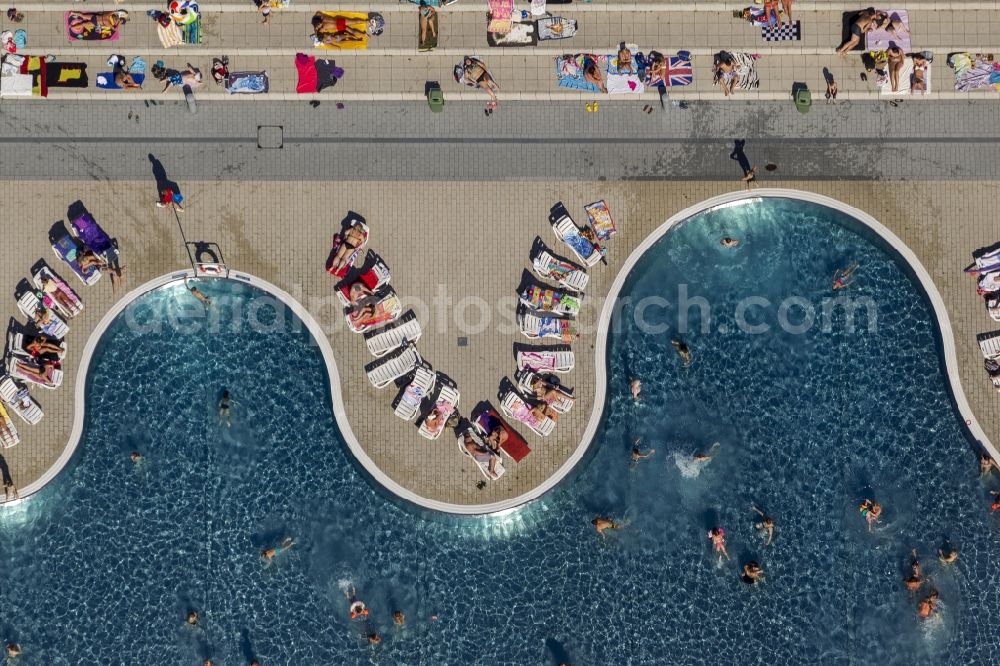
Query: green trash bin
[803,100]
[435,99]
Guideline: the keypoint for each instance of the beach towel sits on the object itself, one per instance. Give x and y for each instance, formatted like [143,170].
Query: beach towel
[570,70]
[15,85]
[247,83]
[905,72]
[500,21]
[549,300]
[170,35]
[355,20]
[523,413]
[600,219]
[555,27]
[880,40]
[308,78]
[515,446]
[66,75]
[974,71]
[782,33]
[552,327]
[91,234]
[191,33]
[430,42]
[520,34]
[677,72]
[746,69]
[89,33]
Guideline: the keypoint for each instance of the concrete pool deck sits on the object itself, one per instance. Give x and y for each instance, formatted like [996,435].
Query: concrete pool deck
[443,245]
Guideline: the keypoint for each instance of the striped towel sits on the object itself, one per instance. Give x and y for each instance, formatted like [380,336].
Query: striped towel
[746,69]
[169,35]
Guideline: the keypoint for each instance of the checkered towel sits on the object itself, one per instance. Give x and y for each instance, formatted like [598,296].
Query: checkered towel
[781,33]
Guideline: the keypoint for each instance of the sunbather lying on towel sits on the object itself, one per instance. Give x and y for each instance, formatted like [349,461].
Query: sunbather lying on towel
[52,289]
[42,347]
[548,392]
[438,417]
[482,454]
[95,25]
[497,433]
[88,259]
[359,293]
[351,240]
[369,315]
[533,416]
[475,74]
[40,372]
[334,30]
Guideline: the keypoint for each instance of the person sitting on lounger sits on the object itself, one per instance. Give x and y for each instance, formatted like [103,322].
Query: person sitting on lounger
[358,293]
[51,287]
[438,417]
[40,346]
[352,239]
[481,453]
[368,315]
[498,435]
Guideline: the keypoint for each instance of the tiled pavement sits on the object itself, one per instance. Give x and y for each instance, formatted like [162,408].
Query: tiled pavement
[941,221]
[392,69]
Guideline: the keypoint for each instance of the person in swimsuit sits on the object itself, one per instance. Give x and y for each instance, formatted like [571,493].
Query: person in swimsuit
[268,554]
[729,242]
[476,75]
[724,70]
[374,639]
[717,536]
[197,293]
[771,12]
[844,279]
[225,408]
[481,453]
[135,457]
[40,346]
[706,457]
[601,524]
[498,435]
[335,30]
[766,524]
[895,57]
[592,74]
[928,605]
[638,454]
[914,582]
[13,650]
[636,387]
[353,238]
[787,6]
[682,351]
[872,511]
[9,491]
[398,618]
[192,618]
[189,77]
[753,573]
[948,554]
[357,607]
[986,465]
[51,287]
[87,259]
[39,370]
[549,392]
[863,23]
[625,64]
[996,501]
[426,21]
[920,64]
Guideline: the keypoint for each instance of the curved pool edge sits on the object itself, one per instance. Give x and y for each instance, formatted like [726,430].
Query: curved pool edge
[397,491]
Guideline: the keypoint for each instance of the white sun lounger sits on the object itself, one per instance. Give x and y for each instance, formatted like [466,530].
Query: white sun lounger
[447,398]
[512,405]
[373,278]
[388,369]
[408,403]
[19,400]
[14,367]
[989,344]
[8,433]
[484,465]
[547,360]
[550,268]
[565,229]
[562,404]
[50,302]
[56,328]
[383,340]
[993,306]
[389,307]
[533,326]
[15,345]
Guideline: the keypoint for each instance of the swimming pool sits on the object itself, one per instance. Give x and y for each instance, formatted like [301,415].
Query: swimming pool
[103,564]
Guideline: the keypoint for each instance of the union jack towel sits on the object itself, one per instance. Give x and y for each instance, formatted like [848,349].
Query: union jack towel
[679,72]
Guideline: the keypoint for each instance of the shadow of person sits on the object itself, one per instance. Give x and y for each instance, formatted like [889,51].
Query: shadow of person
[740,156]
[160,175]
[5,472]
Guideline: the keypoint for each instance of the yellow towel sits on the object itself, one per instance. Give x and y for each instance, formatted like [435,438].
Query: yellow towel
[356,20]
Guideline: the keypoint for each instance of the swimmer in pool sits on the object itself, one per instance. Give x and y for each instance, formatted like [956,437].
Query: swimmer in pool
[226,404]
[986,465]
[398,618]
[928,605]
[753,573]
[705,457]
[638,454]
[135,457]
[269,554]
[948,554]
[872,511]
[914,582]
[192,618]
[718,537]
[636,388]
[766,524]
[197,293]
[357,607]
[601,523]
[844,279]
[729,242]
[682,351]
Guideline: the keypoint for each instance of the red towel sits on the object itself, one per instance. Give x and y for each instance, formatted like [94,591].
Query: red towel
[308,79]
[515,446]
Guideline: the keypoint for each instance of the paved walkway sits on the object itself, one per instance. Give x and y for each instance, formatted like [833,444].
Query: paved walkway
[392,69]
[251,222]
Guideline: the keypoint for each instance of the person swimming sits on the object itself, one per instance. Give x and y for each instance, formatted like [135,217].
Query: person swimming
[638,454]
[682,350]
[766,524]
[717,536]
[226,404]
[636,387]
[928,605]
[690,466]
[914,582]
[197,293]
[601,523]
[986,465]
[948,554]
[753,573]
[842,279]
[729,242]
[357,607]
[268,554]
[872,511]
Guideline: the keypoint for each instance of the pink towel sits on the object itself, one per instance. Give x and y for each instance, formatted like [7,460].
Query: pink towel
[308,78]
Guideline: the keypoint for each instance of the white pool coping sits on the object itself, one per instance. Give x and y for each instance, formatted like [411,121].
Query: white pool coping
[600,360]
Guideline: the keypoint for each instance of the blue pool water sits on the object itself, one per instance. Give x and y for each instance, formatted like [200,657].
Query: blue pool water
[102,566]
